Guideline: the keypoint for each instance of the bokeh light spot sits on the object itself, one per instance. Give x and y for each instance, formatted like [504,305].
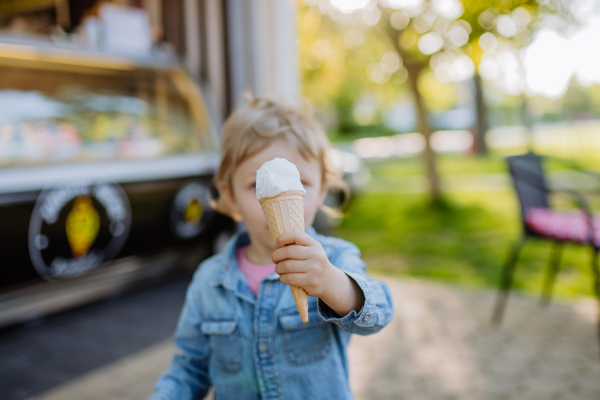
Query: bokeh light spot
[430,43]
[399,20]
[371,17]
[488,41]
[348,6]
[506,26]
[353,38]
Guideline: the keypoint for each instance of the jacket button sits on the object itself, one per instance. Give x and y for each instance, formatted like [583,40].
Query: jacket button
[262,347]
[367,318]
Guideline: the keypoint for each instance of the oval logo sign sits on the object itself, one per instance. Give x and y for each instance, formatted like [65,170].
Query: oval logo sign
[190,210]
[75,228]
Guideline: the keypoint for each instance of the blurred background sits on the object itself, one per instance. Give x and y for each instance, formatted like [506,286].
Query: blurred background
[481,82]
[110,113]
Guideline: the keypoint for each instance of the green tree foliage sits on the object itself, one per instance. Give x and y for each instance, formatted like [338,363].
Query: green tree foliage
[394,45]
[335,58]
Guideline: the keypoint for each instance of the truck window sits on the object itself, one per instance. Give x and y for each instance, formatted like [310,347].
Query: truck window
[52,115]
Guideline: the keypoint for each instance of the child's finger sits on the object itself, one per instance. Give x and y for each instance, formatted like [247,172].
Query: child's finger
[297,279]
[294,237]
[292,251]
[290,267]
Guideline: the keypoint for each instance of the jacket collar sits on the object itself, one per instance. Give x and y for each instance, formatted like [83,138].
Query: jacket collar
[231,277]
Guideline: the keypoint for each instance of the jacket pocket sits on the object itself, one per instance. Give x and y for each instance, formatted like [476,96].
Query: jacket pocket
[305,343]
[225,343]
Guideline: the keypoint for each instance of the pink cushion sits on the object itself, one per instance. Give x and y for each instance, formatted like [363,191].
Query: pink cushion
[569,226]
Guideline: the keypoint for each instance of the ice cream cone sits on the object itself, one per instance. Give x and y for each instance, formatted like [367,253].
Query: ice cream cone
[285,212]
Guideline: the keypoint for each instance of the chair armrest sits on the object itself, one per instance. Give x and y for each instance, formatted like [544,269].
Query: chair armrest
[571,165]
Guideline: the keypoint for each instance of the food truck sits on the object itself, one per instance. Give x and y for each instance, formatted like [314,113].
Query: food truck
[106,163]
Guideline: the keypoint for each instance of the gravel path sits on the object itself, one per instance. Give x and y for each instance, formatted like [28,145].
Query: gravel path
[439,346]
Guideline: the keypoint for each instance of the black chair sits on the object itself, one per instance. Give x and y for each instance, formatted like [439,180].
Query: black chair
[529,181]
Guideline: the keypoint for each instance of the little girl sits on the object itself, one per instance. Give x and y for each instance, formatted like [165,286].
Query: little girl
[239,330]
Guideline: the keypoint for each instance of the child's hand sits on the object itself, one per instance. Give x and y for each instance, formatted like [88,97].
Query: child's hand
[301,261]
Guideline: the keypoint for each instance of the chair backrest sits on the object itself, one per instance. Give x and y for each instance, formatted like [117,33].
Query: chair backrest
[527,173]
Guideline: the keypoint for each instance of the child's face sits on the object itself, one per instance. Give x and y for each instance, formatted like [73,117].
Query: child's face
[244,199]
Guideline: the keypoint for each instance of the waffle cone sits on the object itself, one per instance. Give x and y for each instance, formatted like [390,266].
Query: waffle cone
[285,212]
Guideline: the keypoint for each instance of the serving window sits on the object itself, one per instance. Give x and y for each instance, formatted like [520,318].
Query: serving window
[77,114]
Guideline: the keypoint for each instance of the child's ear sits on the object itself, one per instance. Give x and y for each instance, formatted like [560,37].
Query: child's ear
[323,194]
[230,200]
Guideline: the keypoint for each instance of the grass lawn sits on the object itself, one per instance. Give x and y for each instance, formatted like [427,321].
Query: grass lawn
[465,242]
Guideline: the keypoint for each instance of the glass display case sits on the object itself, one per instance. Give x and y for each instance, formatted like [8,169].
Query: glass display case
[54,113]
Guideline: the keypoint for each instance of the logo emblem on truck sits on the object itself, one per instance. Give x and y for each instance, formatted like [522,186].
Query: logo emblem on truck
[83,223]
[75,228]
[190,210]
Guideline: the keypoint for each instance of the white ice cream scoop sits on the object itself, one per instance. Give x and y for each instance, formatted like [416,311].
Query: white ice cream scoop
[277,176]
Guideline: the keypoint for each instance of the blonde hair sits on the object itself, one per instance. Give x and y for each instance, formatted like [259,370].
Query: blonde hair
[254,126]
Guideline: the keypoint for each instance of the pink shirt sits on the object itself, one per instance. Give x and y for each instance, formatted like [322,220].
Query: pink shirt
[254,273]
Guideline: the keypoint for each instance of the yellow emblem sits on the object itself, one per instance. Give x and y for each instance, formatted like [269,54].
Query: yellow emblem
[193,212]
[83,223]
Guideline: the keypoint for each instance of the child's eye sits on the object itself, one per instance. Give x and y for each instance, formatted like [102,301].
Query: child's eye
[253,186]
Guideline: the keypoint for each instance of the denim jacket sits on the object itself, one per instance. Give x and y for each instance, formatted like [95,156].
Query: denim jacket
[257,347]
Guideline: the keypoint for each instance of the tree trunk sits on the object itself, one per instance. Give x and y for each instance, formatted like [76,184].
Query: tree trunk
[414,71]
[481,127]
[527,122]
